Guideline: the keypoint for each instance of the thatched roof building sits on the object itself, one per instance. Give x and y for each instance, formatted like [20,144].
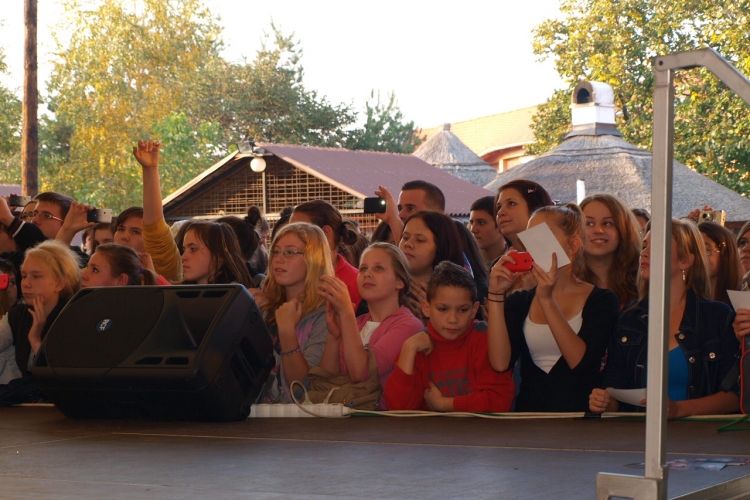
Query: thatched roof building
[594,152]
[446,151]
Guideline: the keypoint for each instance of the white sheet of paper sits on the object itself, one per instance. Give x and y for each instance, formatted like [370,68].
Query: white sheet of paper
[739,300]
[540,242]
[630,396]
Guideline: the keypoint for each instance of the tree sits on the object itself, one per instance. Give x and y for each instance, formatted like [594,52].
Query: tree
[266,99]
[384,129]
[10,132]
[615,42]
[126,69]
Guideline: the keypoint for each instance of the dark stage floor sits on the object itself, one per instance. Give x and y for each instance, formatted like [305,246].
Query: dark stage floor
[45,455]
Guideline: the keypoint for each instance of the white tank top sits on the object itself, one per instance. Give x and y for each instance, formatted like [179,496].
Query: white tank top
[542,346]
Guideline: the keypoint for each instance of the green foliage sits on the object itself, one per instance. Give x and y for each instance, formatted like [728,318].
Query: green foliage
[267,101]
[10,132]
[615,42]
[186,150]
[125,69]
[384,129]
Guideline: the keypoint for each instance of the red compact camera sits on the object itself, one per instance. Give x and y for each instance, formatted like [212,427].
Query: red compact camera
[523,262]
[3,281]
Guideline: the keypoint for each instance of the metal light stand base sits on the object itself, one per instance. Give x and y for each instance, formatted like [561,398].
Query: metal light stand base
[654,483]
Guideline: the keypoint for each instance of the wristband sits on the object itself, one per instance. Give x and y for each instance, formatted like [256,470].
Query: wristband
[290,352]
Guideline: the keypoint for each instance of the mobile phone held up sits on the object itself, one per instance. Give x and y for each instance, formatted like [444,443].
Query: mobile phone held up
[523,262]
[99,215]
[3,281]
[19,201]
[374,205]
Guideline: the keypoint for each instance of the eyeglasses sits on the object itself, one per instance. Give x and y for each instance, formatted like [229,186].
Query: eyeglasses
[742,243]
[711,253]
[286,253]
[43,215]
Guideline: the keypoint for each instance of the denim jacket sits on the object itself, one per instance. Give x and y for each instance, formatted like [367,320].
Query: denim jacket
[706,338]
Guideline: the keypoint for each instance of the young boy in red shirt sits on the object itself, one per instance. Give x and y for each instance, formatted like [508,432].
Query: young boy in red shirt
[446,367]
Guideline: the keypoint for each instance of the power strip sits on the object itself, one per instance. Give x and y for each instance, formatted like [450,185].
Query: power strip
[331,410]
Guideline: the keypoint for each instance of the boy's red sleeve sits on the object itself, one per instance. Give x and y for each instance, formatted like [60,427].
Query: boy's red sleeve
[403,391]
[491,391]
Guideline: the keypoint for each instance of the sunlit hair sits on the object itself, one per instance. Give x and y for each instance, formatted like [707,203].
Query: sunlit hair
[532,192]
[730,270]
[321,214]
[449,274]
[317,257]
[570,220]
[745,228]
[6,304]
[226,265]
[400,266]
[62,264]
[447,241]
[124,260]
[623,273]
[687,241]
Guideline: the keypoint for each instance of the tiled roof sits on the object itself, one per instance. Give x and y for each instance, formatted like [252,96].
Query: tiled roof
[489,133]
[360,173]
[356,172]
[9,189]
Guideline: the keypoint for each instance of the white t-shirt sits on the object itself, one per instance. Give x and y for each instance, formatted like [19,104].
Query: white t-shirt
[542,346]
[366,332]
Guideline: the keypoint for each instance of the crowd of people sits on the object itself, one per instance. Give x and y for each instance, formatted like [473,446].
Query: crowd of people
[427,313]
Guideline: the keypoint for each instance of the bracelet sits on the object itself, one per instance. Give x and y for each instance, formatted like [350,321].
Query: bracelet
[289,353]
[496,293]
[498,301]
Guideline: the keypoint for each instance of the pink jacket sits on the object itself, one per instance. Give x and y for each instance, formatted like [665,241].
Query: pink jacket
[386,342]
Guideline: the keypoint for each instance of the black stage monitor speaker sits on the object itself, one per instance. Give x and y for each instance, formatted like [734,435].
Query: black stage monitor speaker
[191,352]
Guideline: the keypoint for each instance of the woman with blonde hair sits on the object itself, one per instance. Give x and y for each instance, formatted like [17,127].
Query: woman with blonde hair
[291,306]
[702,345]
[612,242]
[383,282]
[49,278]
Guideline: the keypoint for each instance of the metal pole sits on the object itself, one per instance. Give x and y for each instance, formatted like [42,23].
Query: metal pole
[30,131]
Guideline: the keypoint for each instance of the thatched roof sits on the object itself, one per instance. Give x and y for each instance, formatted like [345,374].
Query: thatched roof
[446,151]
[612,165]
[490,133]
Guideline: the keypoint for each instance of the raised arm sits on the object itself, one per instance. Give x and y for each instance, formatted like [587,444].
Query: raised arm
[390,216]
[74,222]
[147,154]
[498,340]
[355,355]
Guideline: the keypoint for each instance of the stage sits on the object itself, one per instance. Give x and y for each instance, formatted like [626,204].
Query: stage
[45,455]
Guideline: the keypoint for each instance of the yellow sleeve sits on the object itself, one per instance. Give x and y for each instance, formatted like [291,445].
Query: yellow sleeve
[163,250]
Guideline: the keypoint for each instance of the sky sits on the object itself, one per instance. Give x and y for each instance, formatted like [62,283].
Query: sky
[447,61]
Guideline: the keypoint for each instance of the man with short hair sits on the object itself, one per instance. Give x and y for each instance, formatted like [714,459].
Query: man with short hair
[419,195]
[51,210]
[486,232]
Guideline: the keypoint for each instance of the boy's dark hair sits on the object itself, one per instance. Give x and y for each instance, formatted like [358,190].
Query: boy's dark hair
[486,204]
[449,274]
[128,213]
[58,199]
[433,194]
